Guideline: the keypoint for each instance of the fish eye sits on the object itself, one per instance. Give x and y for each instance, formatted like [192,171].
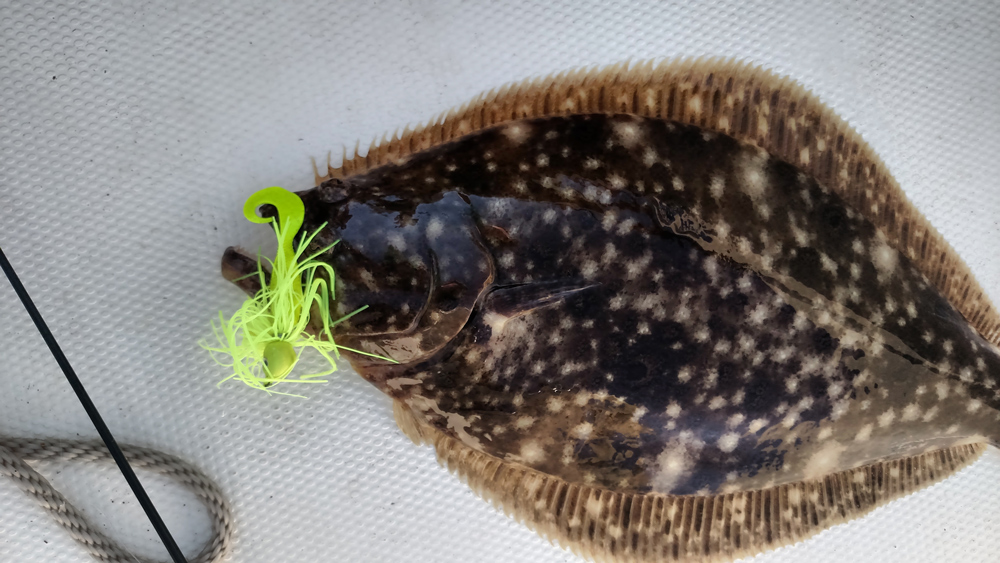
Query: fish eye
[333,191]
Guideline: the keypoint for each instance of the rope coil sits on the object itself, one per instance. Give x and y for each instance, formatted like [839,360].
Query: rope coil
[15,452]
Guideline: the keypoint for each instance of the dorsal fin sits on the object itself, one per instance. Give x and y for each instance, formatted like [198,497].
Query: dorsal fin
[747,102]
[604,525]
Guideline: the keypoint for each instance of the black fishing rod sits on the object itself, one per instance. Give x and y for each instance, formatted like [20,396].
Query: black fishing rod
[95,416]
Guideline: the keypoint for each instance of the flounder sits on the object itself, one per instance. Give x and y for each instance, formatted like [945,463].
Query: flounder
[661,313]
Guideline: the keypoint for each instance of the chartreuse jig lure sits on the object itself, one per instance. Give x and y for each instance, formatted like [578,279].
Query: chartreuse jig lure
[266,336]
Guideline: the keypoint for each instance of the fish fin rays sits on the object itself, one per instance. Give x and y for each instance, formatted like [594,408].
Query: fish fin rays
[516,300]
[605,525]
[408,424]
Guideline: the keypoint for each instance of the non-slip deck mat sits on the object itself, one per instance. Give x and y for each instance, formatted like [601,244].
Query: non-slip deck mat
[131,133]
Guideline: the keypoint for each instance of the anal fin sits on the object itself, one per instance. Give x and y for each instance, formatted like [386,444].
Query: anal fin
[605,525]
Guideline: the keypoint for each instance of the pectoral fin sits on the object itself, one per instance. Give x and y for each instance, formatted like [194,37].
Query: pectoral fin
[516,300]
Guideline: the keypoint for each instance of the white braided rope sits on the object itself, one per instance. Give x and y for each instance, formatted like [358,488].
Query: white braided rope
[14,452]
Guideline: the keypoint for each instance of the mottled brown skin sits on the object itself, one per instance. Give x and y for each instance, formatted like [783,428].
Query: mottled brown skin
[640,305]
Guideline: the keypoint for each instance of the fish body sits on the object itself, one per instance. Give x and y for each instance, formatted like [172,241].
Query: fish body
[638,309]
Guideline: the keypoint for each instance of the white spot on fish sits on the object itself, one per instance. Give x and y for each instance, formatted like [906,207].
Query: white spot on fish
[434,228]
[396,241]
[555,404]
[729,441]
[517,132]
[583,430]
[672,466]
[824,461]
[628,134]
[886,418]
[827,263]
[531,452]
[757,424]
[673,410]
[717,186]
[885,259]
[649,157]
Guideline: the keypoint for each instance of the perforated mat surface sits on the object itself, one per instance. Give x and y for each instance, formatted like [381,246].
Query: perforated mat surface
[131,133]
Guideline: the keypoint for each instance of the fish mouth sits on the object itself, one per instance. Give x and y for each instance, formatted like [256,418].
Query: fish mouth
[240,268]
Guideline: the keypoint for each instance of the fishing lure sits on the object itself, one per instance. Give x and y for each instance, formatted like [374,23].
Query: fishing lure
[670,313]
[265,338]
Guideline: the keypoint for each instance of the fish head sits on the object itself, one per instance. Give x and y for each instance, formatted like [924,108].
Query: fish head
[409,269]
